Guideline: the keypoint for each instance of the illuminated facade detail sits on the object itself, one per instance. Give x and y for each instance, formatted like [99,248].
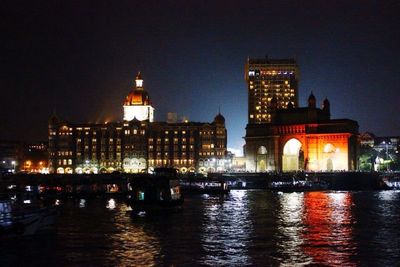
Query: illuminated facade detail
[271,84]
[135,145]
[189,146]
[137,104]
[302,139]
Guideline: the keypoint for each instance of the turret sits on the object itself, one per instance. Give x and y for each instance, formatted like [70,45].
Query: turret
[326,106]
[312,101]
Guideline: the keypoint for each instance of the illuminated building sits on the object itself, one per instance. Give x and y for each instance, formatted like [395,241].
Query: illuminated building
[267,78]
[94,148]
[301,139]
[23,157]
[137,104]
[137,144]
[189,146]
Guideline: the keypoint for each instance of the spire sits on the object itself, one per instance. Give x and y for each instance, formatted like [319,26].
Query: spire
[312,101]
[139,80]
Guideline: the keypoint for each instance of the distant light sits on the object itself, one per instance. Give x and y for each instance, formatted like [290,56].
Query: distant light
[82,203]
[111,204]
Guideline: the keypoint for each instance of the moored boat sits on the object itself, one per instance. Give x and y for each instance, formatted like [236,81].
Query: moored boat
[298,186]
[20,216]
[154,193]
[204,186]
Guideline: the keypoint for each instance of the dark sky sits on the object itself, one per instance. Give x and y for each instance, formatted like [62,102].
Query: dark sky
[80,58]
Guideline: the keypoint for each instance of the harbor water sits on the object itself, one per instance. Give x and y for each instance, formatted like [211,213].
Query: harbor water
[242,228]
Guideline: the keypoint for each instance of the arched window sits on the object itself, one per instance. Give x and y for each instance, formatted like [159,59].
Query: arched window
[262,150]
[291,156]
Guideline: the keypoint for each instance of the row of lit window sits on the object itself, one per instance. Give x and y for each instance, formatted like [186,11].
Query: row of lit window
[273,91]
[206,133]
[134,132]
[175,140]
[94,140]
[183,147]
[65,153]
[65,162]
[175,161]
[271,72]
[261,116]
[206,153]
[175,132]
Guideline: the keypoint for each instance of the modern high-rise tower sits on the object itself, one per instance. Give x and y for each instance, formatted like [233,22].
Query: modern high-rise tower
[271,84]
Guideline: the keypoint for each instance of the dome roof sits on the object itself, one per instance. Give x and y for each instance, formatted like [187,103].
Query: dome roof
[137,97]
[219,119]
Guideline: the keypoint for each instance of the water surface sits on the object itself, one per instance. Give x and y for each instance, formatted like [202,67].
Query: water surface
[243,228]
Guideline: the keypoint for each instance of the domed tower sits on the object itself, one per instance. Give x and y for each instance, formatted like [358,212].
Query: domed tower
[219,119]
[137,104]
[326,106]
[312,101]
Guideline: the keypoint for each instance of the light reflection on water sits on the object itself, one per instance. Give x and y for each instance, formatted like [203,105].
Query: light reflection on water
[289,235]
[244,228]
[226,230]
[328,226]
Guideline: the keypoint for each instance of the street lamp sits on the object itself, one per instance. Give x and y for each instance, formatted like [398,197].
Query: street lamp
[13,163]
[387,154]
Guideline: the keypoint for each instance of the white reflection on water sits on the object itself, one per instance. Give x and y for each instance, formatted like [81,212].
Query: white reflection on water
[386,212]
[226,230]
[111,204]
[290,229]
[82,203]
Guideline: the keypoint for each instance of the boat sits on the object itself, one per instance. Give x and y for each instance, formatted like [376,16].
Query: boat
[389,182]
[205,186]
[297,186]
[21,215]
[155,193]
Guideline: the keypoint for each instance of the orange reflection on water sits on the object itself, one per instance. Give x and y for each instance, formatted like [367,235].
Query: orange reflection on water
[131,243]
[328,233]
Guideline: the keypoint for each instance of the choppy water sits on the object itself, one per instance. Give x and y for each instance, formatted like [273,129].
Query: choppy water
[244,228]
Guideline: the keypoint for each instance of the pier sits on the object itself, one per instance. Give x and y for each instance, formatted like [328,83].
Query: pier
[118,182]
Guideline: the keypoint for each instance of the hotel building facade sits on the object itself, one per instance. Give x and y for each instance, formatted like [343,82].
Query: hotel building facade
[267,78]
[138,143]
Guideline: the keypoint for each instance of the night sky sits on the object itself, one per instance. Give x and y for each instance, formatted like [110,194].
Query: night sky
[80,58]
